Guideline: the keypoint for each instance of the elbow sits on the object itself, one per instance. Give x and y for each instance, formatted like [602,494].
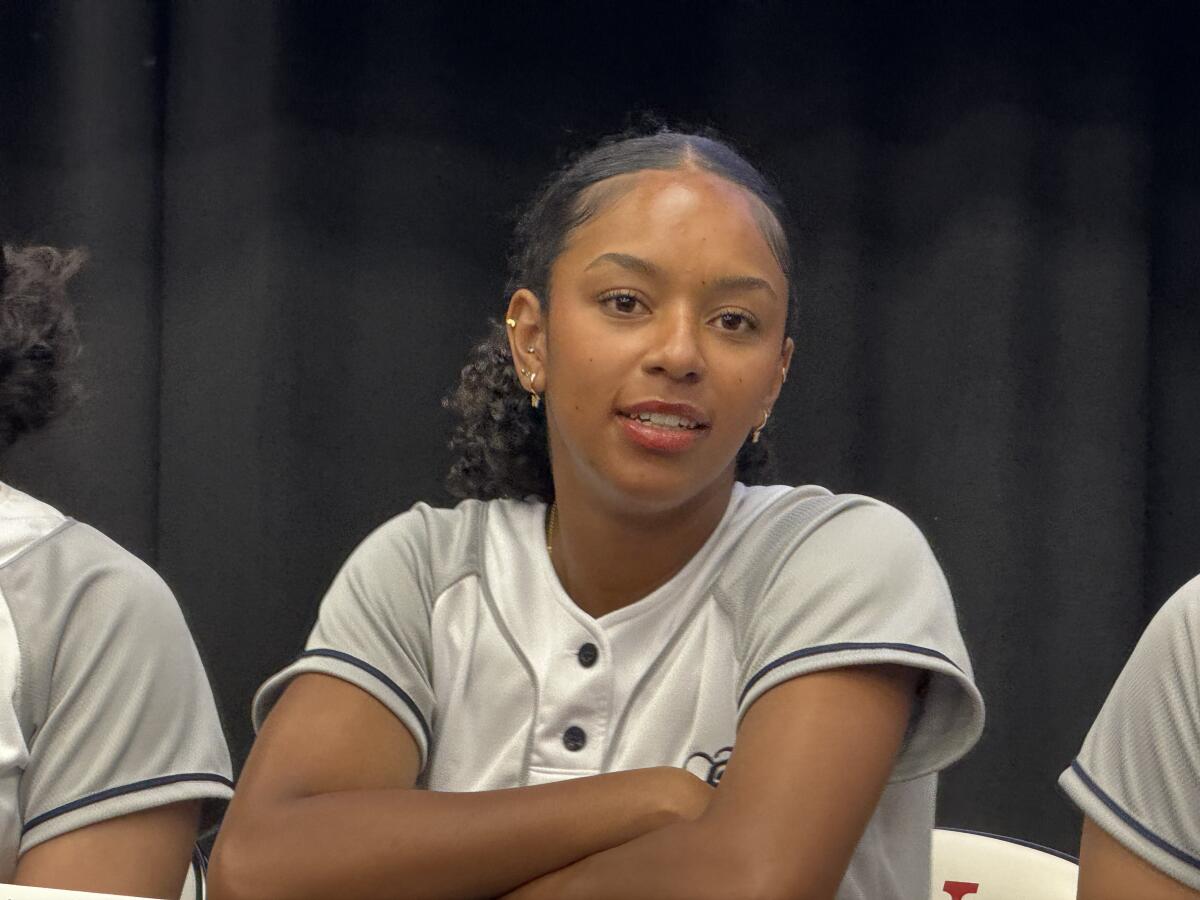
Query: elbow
[226,878]
[236,870]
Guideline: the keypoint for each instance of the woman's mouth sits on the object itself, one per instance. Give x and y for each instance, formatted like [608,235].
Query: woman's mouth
[661,432]
[664,420]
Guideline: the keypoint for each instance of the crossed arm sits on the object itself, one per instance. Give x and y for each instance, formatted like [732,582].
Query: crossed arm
[318,814]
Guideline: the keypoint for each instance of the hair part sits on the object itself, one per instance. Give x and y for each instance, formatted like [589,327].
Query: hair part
[500,443]
[39,339]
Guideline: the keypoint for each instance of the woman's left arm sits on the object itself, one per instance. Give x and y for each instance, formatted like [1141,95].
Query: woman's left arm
[143,854]
[812,759]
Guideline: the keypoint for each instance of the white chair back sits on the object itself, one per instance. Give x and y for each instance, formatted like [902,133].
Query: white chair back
[194,887]
[970,865]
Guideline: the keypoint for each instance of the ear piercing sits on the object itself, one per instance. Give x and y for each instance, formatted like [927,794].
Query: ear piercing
[535,398]
[757,432]
[510,322]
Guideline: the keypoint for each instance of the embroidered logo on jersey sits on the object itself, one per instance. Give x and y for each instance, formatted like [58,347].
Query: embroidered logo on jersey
[710,768]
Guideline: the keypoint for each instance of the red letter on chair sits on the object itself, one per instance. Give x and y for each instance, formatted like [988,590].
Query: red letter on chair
[959,889]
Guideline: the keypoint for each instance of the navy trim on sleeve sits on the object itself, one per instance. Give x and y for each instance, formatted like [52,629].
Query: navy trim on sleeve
[835,648]
[121,791]
[371,670]
[1160,843]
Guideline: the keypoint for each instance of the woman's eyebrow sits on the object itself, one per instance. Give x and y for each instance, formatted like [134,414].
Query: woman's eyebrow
[650,270]
[742,283]
[627,261]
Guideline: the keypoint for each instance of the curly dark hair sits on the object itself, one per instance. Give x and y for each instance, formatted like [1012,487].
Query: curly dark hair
[500,442]
[38,338]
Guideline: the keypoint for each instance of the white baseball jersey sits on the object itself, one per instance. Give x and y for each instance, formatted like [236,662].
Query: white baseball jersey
[1138,774]
[456,621]
[105,709]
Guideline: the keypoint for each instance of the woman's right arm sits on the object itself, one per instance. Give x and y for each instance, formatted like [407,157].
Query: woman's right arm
[326,807]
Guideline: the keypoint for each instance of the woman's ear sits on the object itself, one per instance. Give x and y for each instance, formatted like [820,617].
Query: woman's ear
[785,363]
[527,339]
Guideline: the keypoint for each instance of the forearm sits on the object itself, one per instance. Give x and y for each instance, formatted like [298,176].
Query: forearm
[683,861]
[373,843]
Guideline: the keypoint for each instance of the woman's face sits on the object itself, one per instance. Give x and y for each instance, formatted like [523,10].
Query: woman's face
[665,341]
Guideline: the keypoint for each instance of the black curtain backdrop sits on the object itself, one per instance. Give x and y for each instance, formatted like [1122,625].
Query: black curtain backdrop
[298,213]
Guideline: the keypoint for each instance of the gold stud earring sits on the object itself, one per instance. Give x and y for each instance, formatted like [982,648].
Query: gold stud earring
[757,433]
[511,322]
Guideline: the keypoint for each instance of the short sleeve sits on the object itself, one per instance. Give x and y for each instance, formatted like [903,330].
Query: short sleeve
[373,628]
[124,717]
[1138,773]
[848,581]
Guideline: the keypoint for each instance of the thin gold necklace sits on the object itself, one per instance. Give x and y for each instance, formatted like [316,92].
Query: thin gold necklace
[551,519]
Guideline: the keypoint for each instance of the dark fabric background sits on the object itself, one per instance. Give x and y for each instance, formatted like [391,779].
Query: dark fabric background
[298,215]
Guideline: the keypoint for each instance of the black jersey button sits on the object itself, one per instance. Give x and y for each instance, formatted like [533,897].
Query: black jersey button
[574,738]
[588,655]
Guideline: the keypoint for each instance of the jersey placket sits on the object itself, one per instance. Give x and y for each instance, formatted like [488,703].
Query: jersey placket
[575,710]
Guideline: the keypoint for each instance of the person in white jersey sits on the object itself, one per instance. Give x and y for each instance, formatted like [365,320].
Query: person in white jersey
[616,669]
[110,743]
[1137,777]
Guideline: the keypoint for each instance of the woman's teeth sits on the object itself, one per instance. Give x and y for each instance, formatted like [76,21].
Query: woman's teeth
[665,420]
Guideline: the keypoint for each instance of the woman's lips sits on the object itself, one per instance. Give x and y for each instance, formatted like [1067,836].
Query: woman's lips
[660,438]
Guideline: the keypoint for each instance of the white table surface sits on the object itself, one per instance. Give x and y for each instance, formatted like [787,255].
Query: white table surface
[17,892]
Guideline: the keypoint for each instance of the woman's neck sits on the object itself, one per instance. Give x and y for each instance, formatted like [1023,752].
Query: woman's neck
[607,558]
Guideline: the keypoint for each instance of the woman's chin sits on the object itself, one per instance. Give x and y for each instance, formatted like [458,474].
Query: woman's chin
[650,487]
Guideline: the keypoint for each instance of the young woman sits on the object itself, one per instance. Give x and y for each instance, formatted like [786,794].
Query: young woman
[616,670]
[109,738]
[1137,778]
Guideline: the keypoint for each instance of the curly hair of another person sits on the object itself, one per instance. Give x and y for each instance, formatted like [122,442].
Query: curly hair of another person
[38,338]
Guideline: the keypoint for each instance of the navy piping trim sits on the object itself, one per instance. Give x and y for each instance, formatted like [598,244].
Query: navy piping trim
[1012,840]
[371,670]
[1161,843]
[199,868]
[835,648]
[121,791]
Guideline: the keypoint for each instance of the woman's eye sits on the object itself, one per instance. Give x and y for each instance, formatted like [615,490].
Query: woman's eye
[625,304]
[733,321]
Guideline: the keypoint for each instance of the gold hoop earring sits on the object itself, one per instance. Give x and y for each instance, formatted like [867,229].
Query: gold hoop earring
[534,397]
[757,432]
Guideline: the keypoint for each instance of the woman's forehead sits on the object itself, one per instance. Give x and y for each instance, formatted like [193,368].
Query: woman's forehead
[675,209]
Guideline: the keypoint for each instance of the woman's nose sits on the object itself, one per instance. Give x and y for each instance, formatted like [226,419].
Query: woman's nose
[677,350]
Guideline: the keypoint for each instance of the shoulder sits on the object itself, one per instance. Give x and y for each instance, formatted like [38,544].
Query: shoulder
[1166,659]
[24,522]
[420,552]
[72,569]
[1177,622]
[426,535]
[85,609]
[842,530]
